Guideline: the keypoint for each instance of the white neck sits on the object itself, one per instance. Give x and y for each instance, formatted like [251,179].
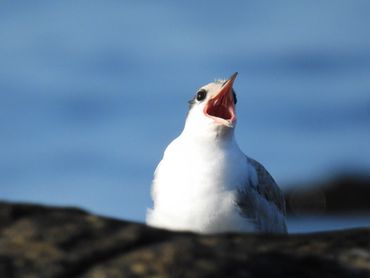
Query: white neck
[205,130]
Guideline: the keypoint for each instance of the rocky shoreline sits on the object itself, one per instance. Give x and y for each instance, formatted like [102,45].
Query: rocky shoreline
[41,241]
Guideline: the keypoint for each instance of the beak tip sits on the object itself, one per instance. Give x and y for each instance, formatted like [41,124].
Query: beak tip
[233,76]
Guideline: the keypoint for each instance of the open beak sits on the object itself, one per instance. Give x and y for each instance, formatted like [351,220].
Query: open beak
[221,107]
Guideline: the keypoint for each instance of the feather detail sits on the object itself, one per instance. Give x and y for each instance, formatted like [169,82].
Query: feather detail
[262,202]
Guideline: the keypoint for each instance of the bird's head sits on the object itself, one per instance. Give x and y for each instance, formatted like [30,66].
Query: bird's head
[213,107]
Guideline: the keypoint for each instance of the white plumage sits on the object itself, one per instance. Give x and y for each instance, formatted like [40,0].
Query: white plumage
[205,183]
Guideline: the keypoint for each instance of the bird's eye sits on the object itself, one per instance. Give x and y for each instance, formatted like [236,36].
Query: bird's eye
[201,95]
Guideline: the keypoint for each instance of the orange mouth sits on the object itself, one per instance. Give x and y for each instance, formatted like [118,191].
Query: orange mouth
[221,108]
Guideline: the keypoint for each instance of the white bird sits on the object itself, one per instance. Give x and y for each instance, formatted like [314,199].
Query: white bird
[205,183]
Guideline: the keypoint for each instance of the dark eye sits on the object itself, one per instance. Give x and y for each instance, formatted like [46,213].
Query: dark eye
[201,95]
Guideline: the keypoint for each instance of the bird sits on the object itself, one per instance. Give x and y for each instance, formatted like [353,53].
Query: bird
[205,183]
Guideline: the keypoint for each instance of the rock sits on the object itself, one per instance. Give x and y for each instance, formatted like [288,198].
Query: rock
[343,194]
[40,241]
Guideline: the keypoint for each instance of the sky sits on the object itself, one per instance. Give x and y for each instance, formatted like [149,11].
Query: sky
[92,92]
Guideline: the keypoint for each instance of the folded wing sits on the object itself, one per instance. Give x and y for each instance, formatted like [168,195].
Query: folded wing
[261,201]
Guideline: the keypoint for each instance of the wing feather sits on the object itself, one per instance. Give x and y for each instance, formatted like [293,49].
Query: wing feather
[262,201]
[267,186]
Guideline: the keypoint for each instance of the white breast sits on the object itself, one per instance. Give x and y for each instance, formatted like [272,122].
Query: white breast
[194,187]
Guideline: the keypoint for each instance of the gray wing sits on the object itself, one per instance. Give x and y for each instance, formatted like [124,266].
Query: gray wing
[261,201]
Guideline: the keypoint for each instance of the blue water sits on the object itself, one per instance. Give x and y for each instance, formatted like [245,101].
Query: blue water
[91,92]
[314,223]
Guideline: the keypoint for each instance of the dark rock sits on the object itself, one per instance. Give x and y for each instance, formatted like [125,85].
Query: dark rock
[345,194]
[38,241]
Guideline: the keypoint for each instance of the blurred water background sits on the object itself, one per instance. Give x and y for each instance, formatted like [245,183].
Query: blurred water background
[91,93]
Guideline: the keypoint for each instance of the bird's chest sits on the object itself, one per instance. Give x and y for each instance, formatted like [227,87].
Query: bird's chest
[190,176]
[197,191]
